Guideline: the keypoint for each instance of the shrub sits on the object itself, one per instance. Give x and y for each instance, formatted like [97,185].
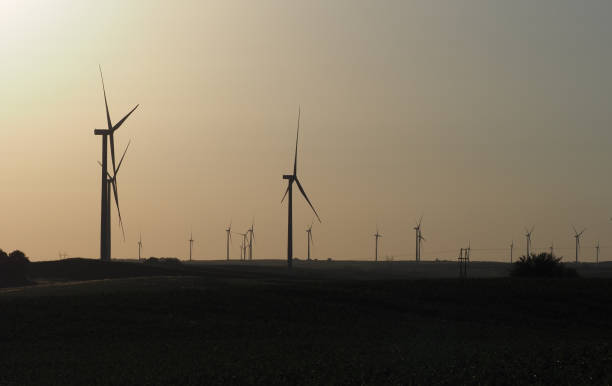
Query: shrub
[542,265]
[13,268]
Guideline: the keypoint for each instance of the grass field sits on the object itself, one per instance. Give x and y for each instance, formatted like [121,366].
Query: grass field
[334,323]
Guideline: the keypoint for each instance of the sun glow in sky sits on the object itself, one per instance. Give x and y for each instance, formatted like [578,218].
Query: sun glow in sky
[484,116]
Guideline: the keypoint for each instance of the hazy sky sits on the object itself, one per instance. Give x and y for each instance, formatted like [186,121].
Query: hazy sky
[484,116]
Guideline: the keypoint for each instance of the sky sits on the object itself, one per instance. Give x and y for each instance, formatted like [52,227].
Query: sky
[484,117]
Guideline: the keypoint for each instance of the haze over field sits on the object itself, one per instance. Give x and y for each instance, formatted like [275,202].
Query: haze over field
[484,116]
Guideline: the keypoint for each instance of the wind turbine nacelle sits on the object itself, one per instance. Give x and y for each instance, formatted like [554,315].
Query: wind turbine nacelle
[287,176]
[100,132]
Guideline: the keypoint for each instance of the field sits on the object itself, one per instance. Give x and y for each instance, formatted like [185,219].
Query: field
[88,322]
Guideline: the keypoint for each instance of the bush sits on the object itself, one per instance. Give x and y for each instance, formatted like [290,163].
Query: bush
[542,265]
[162,260]
[13,268]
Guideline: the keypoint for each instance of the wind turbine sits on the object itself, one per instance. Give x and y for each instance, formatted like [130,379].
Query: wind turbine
[291,178]
[228,230]
[190,244]
[419,238]
[309,238]
[139,245]
[552,248]
[511,250]
[377,235]
[243,245]
[251,233]
[597,252]
[528,236]
[577,237]
[105,217]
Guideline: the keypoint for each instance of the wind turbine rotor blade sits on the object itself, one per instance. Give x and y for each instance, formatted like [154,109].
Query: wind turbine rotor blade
[311,239]
[285,195]
[420,221]
[575,231]
[297,137]
[307,199]
[122,157]
[108,120]
[118,124]
[118,210]
[532,228]
[107,173]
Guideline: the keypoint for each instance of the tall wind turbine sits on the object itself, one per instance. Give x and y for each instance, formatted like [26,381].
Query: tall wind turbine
[291,178]
[190,244]
[577,237]
[377,235]
[139,245]
[228,230]
[105,217]
[528,236]
[309,238]
[251,232]
[597,252]
[511,250]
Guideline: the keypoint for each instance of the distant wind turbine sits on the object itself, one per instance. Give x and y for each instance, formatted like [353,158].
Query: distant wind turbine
[228,230]
[309,238]
[419,239]
[528,236]
[552,248]
[597,252]
[251,232]
[511,250]
[191,240]
[139,245]
[377,235]
[105,216]
[243,245]
[577,236]
[291,178]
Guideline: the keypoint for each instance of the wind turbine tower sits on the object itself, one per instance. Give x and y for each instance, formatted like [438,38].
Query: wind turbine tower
[105,206]
[511,250]
[291,178]
[577,237]
[377,235]
[597,252]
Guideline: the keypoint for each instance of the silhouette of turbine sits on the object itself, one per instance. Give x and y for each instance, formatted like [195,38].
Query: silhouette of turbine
[191,240]
[243,245]
[105,217]
[577,237]
[139,245]
[597,252]
[228,230]
[511,250]
[251,232]
[528,236]
[309,238]
[291,178]
[377,235]
[419,238]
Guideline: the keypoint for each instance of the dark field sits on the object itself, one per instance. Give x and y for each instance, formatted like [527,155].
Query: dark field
[332,323]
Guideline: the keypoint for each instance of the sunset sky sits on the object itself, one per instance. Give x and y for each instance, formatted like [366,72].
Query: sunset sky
[483,116]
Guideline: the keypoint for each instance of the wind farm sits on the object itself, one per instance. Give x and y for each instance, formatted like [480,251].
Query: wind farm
[420,143]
